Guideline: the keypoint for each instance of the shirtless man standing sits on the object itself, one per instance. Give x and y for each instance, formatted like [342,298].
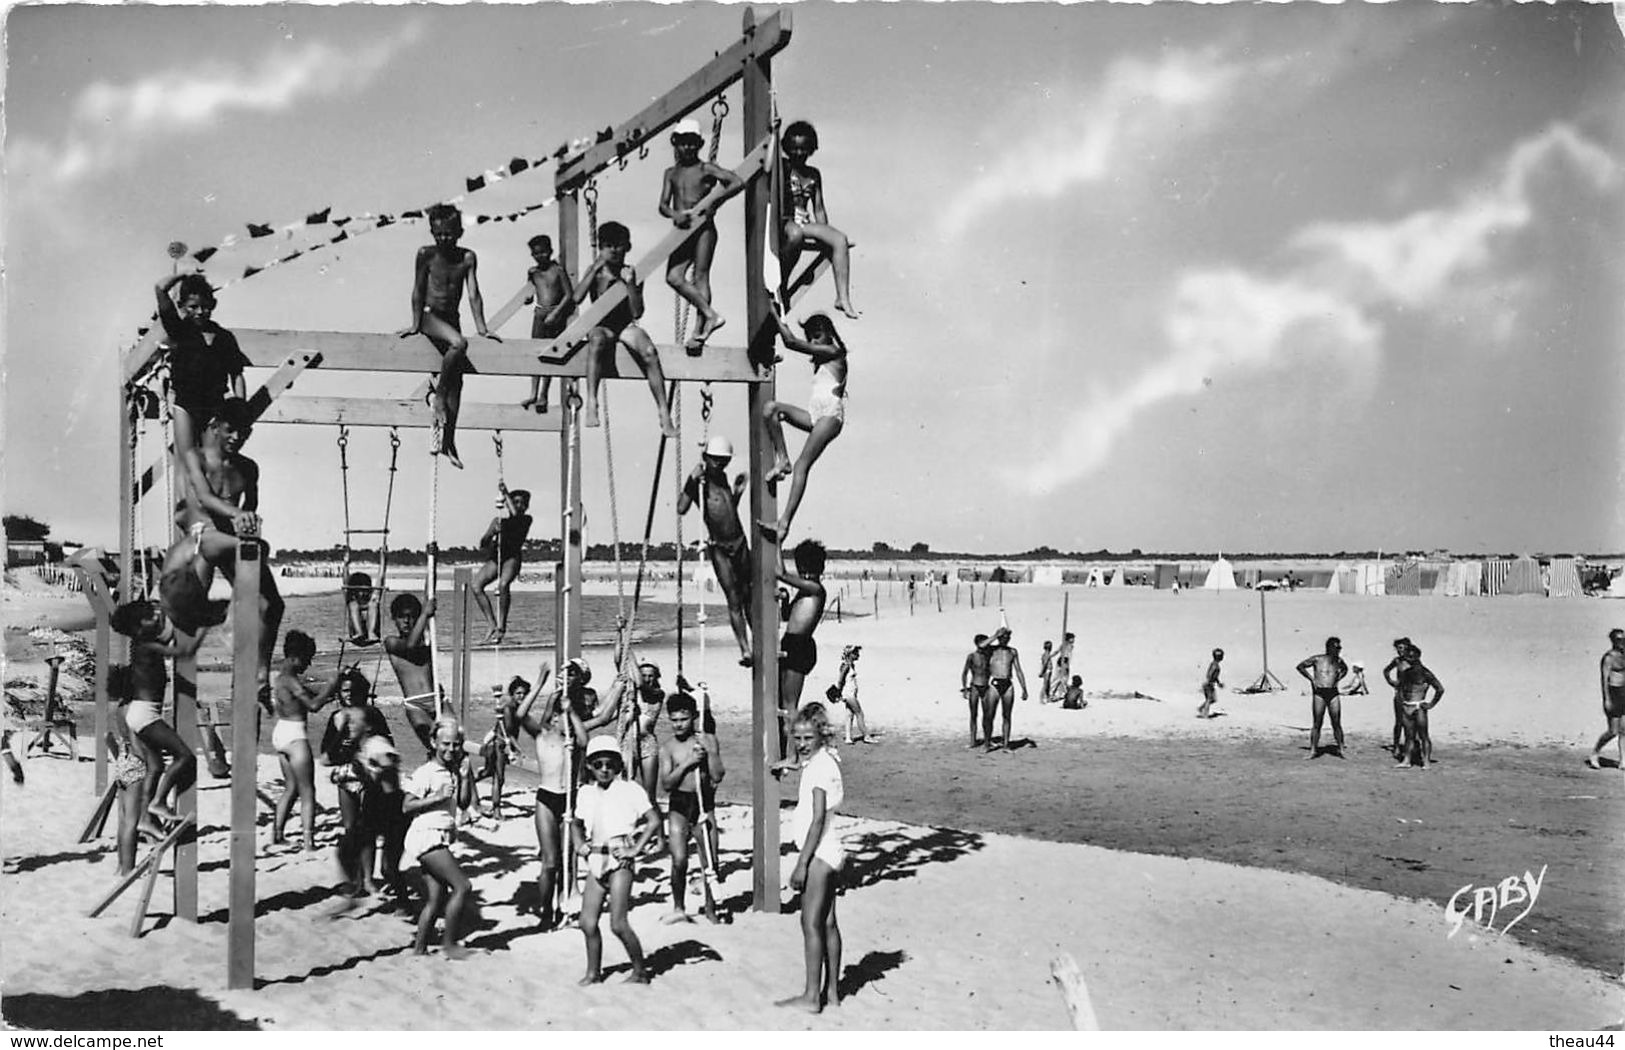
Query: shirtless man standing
[1324,671]
[798,653]
[1613,699]
[727,545]
[973,685]
[222,500]
[1003,663]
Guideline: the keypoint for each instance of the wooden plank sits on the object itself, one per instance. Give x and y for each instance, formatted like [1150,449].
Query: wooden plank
[98,817]
[245,627]
[763,505]
[509,308]
[655,260]
[758,43]
[152,859]
[568,643]
[101,603]
[386,352]
[405,412]
[461,580]
[280,381]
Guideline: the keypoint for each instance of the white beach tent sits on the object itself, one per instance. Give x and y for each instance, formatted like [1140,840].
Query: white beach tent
[1220,577]
[1095,578]
[1119,577]
[1339,575]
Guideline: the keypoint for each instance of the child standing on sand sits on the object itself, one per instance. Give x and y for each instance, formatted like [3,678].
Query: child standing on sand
[294,702]
[434,794]
[817,872]
[606,833]
[556,729]
[690,768]
[1211,685]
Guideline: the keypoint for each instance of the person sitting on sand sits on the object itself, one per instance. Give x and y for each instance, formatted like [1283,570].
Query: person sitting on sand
[1354,684]
[690,770]
[1612,669]
[817,874]
[973,679]
[357,603]
[614,823]
[412,658]
[1415,683]
[822,419]
[1392,675]
[798,653]
[1003,663]
[504,548]
[294,701]
[153,638]
[1073,700]
[558,733]
[726,542]
[1211,685]
[434,794]
[1323,671]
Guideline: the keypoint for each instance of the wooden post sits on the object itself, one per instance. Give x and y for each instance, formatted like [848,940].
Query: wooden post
[568,644]
[460,582]
[877,603]
[185,693]
[1066,606]
[765,719]
[100,599]
[245,628]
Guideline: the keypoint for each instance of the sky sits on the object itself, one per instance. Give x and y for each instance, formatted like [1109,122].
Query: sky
[1289,277]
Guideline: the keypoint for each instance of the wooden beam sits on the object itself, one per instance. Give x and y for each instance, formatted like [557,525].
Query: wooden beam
[655,259]
[245,629]
[185,694]
[385,352]
[405,412]
[280,381]
[757,44]
[101,603]
[764,554]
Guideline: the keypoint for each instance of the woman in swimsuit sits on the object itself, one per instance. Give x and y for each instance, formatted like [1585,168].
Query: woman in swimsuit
[801,210]
[294,700]
[822,419]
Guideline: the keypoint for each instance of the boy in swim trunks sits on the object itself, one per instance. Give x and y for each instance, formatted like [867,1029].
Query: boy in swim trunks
[1046,668]
[550,290]
[504,547]
[1414,684]
[707,486]
[294,702]
[687,192]
[204,359]
[973,684]
[798,653]
[1612,668]
[690,770]
[1323,671]
[1392,674]
[614,822]
[1003,663]
[440,272]
[411,657]
[153,638]
[1211,685]
[619,326]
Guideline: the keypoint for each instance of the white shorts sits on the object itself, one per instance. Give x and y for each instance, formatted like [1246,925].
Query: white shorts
[826,406]
[286,732]
[139,714]
[422,838]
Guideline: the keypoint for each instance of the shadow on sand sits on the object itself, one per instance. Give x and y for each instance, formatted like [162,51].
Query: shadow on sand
[123,1010]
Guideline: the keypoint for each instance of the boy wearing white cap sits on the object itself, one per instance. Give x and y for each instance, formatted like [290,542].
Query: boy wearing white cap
[688,191]
[708,486]
[606,834]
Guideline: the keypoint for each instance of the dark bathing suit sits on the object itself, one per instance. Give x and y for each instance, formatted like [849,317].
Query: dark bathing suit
[800,653]
[688,803]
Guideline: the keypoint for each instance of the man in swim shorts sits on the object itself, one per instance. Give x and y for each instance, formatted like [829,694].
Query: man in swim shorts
[1003,662]
[973,678]
[1324,671]
[1613,699]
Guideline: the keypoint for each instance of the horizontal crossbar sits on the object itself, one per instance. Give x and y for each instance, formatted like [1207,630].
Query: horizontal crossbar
[403,412]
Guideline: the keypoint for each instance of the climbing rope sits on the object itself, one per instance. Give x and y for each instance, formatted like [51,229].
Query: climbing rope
[502,502]
[171,462]
[431,584]
[344,485]
[590,195]
[622,625]
[677,474]
[137,551]
[383,543]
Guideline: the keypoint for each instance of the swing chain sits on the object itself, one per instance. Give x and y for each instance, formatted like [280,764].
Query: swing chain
[344,441]
[394,443]
[590,195]
[706,400]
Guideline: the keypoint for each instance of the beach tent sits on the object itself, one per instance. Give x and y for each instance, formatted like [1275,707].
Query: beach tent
[1370,578]
[1518,576]
[1048,574]
[1342,581]
[1454,580]
[1221,577]
[1095,578]
[1472,578]
[1565,579]
[1405,578]
[1165,575]
[1120,577]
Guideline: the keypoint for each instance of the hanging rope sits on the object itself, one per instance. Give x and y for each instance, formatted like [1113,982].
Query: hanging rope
[431,584]
[621,623]
[590,195]
[502,500]
[678,476]
[172,464]
[383,543]
[344,485]
[137,548]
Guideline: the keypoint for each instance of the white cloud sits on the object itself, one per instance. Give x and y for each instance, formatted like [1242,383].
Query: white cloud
[1324,306]
[113,123]
[1081,139]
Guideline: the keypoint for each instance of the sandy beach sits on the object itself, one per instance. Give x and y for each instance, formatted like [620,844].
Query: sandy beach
[948,923]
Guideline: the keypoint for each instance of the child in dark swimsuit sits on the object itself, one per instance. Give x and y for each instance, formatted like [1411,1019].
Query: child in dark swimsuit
[504,546]
[204,359]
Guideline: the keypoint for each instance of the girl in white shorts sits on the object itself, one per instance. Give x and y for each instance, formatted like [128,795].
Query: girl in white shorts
[434,794]
[817,872]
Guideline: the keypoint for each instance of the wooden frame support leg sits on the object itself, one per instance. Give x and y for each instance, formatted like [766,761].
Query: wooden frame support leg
[245,612]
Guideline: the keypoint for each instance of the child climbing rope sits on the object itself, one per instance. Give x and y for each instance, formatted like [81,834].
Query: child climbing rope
[503,545]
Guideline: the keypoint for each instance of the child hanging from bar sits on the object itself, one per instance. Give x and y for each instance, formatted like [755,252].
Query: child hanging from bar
[357,603]
[153,638]
[412,658]
[504,546]
[205,361]
[801,211]
[434,794]
[690,770]
[619,327]
[614,822]
[550,290]
[441,271]
[822,419]
[688,193]
[294,701]
[726,543]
